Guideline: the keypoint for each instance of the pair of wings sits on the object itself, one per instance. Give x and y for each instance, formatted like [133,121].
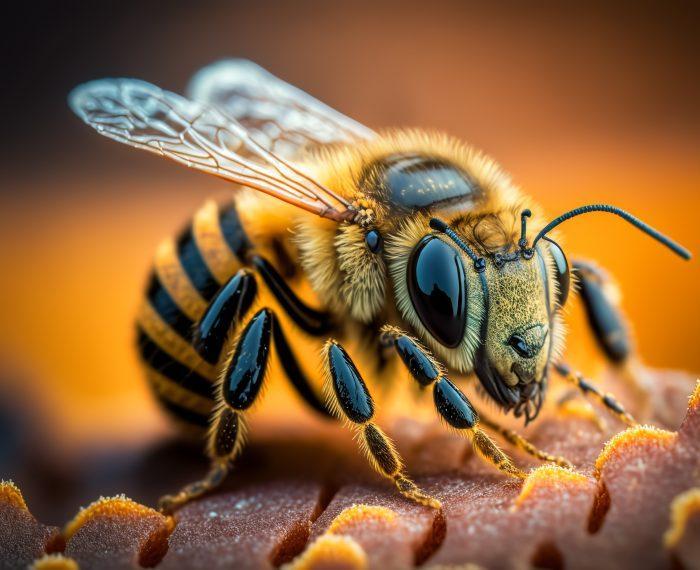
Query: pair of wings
[239,122]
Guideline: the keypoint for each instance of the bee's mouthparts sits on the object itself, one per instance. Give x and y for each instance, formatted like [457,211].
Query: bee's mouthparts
[531,399]
[525,398]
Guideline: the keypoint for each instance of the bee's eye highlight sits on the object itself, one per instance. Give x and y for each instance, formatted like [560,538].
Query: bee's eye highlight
[562,273]
[374,241]
[437,288]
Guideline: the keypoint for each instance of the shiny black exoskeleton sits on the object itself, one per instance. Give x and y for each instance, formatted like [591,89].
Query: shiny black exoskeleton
[409,182]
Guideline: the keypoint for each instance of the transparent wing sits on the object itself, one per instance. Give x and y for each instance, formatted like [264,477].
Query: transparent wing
[199,136]
[282,118]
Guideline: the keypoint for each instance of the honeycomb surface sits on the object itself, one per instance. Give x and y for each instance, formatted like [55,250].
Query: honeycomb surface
[309,502]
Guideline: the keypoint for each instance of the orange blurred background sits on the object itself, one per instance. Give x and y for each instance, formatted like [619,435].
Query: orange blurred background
[581,103]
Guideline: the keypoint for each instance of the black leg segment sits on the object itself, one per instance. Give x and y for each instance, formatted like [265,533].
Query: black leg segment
[419,364]
[350,390]
[227,308]
[608,401]
[450,402]
[244,373]
[453,405]
[226,433]
[309,320]
[604,317]
[349,399]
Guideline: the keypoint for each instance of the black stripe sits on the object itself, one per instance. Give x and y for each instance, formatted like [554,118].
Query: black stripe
[167,308]
[194,265]
[233,232]
[183,414]
[162,362]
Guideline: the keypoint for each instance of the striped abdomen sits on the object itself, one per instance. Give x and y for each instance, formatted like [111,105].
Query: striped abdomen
[188,271]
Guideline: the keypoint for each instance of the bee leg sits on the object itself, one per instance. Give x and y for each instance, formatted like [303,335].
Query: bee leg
[238,388]
[226,309]
[306,318]
[229,305]
[610,327]
[608,401]
[348,397]
[518,441]
[604,315]
[452,405]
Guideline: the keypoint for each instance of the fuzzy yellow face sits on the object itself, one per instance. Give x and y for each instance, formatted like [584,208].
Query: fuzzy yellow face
[521,330]
[516,340]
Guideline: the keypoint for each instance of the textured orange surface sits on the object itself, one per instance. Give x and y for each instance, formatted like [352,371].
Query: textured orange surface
[315,505]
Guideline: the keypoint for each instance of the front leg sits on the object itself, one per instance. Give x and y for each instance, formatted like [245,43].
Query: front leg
[350,400]
[518,441]
[452,405]
[608,401]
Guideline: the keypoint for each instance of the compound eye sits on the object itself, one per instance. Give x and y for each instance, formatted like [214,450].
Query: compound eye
[562,274]
[437,288]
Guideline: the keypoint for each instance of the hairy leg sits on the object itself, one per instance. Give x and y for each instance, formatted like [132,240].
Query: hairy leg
[608,401]
[350,400]
[518,441]
[452,405]
[239,387]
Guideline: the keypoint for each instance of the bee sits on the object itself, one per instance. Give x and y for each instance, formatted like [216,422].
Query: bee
[412,240]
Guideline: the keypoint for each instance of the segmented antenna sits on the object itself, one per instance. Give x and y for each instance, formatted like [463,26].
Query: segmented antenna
[439,225]
[522,243]
[639,224]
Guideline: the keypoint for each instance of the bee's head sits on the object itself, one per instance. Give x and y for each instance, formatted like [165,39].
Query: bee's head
[495,312]
[521,327]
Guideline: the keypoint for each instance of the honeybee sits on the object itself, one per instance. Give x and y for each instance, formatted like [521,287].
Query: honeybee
[410,238]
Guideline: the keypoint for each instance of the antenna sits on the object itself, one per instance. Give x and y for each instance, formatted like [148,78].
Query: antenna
[439,225]
[636,222]
[523,228]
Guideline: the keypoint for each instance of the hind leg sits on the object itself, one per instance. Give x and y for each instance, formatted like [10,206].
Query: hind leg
[242,376]
[238,389]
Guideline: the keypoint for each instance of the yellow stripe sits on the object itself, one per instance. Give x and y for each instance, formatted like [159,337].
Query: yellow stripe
[172,343]
[177,394]
[176,282]
[212,245]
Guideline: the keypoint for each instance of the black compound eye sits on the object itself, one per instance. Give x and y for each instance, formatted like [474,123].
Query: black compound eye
[562,274]
[437,287]
[374,241]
